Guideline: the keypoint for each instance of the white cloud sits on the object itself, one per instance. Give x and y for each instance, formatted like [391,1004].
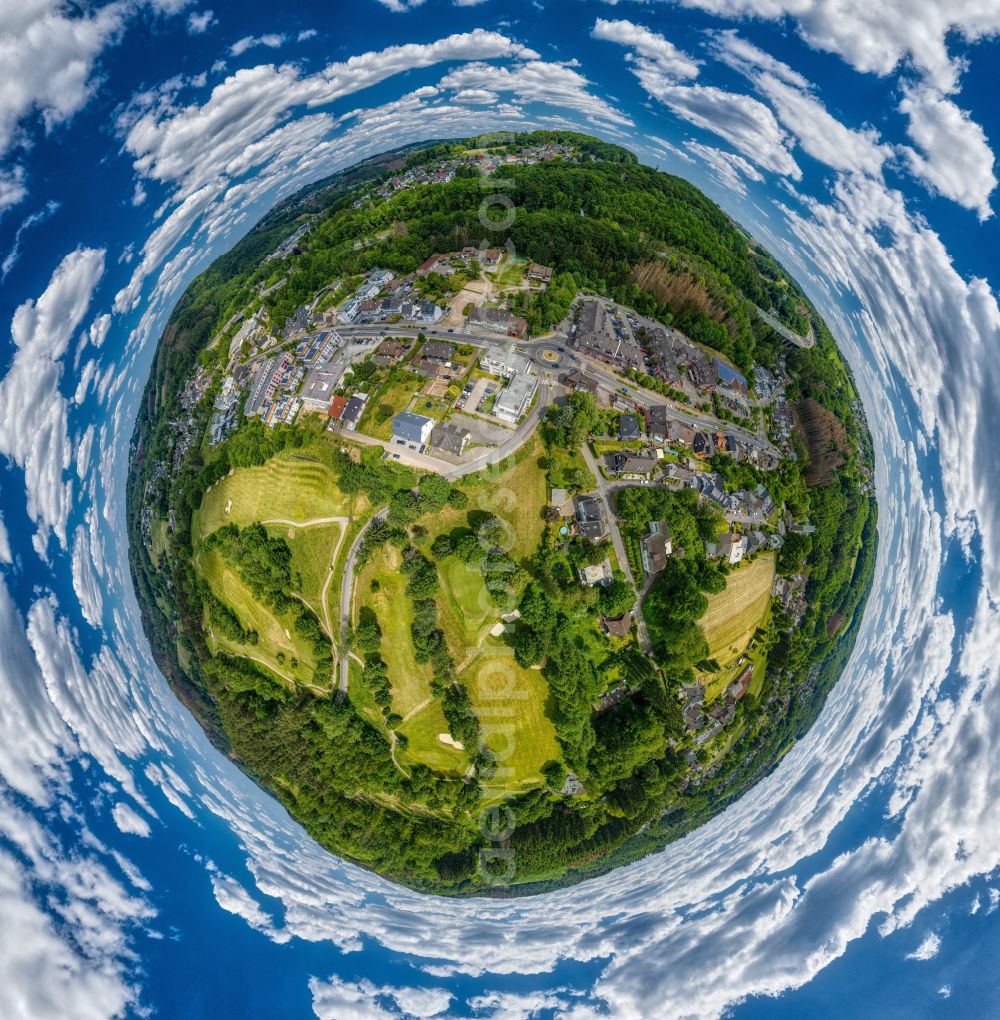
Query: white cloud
[790,94]
[536,81]
[129,820]
[33,427]
[877,37]
[5,556]
[12,187]
[272,41]
[476,97]
[306,34]
[232,897]
[748,125]
[12,256]
[955,158]
[337,998]
[819,133]
[650,51]
[199,22]
[729,169]
[928,948]
[48,59]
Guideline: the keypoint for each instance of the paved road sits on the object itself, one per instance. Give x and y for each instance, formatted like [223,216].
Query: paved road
[448,469]
[346,586]
[557,343]
[606,490]
[807,341]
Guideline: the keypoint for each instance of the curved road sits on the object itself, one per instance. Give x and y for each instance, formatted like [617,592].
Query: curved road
[346,586]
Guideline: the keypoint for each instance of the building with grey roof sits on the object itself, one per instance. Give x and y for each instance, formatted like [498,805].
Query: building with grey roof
[450,438]
[515,398]
[411,430]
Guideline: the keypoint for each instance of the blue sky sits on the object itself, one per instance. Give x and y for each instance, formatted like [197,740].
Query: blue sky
[138,870]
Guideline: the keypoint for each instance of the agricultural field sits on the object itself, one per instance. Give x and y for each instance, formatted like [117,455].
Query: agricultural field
[292,486]
[735,613]
[510,702]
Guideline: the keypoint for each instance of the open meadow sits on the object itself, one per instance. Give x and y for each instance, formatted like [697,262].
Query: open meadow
[295,486]
[735,613]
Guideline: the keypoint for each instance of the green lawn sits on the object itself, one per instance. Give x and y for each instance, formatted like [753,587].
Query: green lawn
[312,552]
[158,538]
[465,609]
[422,730]
[276,634]
[410,681]
[517,495]
[293,486]
[510,703]
[392,398]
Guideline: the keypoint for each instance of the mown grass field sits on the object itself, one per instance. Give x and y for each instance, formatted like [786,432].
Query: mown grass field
[735,613]
[421,731]
[276,634]
[465,608]
[410,681]
[517,495]
[510,703]
[292,486]
[157,538]
[312,555]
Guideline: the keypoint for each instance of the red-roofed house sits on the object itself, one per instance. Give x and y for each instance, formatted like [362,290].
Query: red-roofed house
[337,406]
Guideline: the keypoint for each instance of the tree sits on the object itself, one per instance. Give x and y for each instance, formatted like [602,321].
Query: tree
[434,492]
[529,648]
[616,599]
[441,547]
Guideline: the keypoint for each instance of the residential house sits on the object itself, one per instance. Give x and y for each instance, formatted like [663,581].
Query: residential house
[590,519]
[655,548]
[630,465]
[539,274]
[497,320]
[620,627]
[628,428]
[319,387]
[504,361]
[576,380]
[411,430]
[353,411]
[597,573]
[701,370]
[489,258]
[449,438]
[337,406]
[436,350]
[730,548]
